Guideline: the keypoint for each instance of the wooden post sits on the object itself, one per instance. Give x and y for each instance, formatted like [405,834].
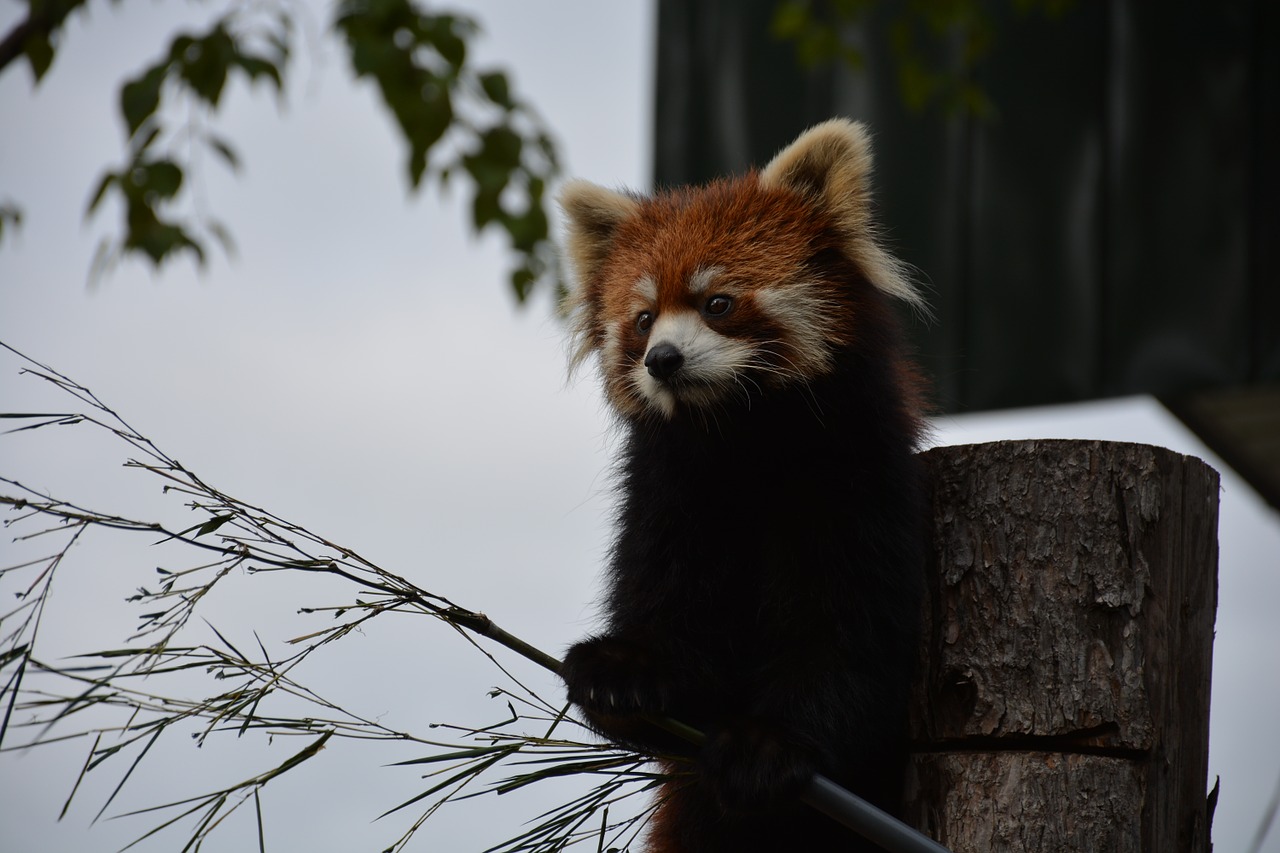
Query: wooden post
[1063,698]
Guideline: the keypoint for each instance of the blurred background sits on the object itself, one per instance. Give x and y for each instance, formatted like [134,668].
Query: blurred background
[1085,189]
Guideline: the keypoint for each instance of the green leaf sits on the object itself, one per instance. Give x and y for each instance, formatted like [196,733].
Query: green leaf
[502,147]
[146,233]
[103,185]
[522,280]
[158,179]
[497,89]
[203,63]
[485,208]
[44,18]
[140,98]
[39,52]
[529,229]
[424,114]
[165,240]
[391,41]
[257,67]
[492,166]
[443,34]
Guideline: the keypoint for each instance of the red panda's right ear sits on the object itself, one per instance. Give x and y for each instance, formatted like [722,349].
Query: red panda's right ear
[593,214]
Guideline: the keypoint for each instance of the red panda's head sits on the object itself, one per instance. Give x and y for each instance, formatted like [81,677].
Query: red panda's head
[697,296]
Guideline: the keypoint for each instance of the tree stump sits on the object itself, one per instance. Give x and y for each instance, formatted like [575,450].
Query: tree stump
[1062,701]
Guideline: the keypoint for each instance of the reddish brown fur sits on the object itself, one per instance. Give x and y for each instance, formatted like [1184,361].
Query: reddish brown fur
[760,236]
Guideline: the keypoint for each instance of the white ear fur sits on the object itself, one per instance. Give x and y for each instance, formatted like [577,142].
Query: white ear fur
[831,163]
[593,214]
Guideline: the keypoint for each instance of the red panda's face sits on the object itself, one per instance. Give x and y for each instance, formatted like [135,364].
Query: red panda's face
[713,296]
[696,298]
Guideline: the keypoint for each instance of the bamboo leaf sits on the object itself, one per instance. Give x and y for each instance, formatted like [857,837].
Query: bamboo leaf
[468,773]
[457,755]
[213,524]
[80,776]
[128,773]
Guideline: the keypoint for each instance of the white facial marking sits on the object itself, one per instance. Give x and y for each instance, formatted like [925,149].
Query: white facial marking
[712,364]
[683,329]
[806,316]
[646,288]
[701,279]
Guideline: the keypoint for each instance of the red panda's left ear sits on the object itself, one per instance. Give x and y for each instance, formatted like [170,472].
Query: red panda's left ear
[831,163]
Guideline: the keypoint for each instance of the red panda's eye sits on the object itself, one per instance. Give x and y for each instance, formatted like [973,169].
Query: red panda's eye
[718,306]
[644,322]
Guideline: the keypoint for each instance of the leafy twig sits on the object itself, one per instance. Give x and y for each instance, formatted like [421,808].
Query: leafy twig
[245,688]
[241,535]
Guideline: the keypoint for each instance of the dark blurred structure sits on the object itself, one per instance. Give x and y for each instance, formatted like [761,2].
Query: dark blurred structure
[1112,228]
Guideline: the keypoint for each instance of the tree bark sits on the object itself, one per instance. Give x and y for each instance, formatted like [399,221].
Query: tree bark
[1062,701]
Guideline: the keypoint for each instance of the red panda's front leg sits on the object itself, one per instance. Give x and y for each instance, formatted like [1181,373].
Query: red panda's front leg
[621,687]
[747,763]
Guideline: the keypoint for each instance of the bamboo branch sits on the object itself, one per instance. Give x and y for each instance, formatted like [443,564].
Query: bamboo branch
[822,794]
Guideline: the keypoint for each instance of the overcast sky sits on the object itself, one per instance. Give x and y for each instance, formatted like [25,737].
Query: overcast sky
[360,367]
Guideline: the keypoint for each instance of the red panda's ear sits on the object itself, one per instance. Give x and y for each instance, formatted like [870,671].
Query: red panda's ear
[831,163]
[593,215]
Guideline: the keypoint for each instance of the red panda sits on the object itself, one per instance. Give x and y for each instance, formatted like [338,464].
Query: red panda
[764,584]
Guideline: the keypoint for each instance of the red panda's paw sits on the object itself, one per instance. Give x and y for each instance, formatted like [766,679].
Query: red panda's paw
[749,765]
[607,677]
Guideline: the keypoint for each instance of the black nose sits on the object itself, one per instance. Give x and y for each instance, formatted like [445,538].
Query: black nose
[663,361]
